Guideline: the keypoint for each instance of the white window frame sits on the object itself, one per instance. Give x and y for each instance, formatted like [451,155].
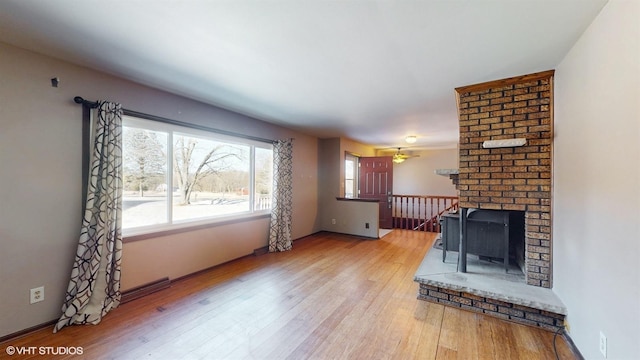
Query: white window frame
[356,167]
[170,129]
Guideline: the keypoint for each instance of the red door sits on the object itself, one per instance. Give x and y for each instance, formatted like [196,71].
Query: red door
[376,182]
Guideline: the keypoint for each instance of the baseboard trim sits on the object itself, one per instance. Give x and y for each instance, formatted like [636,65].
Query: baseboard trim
[27,331]
[265,249]
[144,290]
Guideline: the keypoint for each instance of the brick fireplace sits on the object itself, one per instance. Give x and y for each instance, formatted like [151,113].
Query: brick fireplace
[513,178]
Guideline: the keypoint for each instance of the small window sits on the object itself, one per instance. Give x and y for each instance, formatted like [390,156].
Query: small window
[351,176]
[176,175]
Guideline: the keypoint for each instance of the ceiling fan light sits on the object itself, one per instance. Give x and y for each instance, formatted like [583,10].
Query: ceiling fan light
[411,139]
[398,159]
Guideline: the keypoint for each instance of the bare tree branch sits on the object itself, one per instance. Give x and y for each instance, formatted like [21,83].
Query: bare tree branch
[211,163]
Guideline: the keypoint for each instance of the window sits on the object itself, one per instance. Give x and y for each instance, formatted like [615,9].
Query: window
[176,175]
[351,176]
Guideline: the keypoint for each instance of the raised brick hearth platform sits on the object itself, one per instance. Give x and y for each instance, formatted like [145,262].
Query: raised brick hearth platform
[492,307]
[487,289]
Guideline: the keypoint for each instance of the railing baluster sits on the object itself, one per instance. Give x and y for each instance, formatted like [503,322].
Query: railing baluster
[405,212]
[405,209]
[409,213]
[435,221]
[425,217]
[395,211]
[425,220]
[421,214]
[402,212]
[413,212]
[426,214]
[406,223]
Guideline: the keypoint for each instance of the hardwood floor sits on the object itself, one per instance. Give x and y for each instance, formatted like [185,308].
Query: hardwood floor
[332,297]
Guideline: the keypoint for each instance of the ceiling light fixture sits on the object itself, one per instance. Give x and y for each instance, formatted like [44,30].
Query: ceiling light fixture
[411,139]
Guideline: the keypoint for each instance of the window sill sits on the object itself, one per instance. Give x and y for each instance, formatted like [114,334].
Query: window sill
[137,235]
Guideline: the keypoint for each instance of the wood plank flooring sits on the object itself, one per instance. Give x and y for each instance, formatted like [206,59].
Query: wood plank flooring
[332,297]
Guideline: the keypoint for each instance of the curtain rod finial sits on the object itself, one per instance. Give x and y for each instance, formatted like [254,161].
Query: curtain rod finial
[80,100]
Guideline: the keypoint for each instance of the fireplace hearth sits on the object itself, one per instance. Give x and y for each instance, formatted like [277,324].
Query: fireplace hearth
[486,288]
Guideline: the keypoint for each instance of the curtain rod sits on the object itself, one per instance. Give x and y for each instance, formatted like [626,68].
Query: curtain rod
[127,112]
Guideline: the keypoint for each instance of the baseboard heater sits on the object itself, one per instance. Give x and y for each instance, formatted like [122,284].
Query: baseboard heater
[144,290]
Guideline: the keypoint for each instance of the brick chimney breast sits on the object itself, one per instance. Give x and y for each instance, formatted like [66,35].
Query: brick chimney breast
[511,178]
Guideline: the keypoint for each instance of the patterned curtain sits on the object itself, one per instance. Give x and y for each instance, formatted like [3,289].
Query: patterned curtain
[280,230]
[94,288]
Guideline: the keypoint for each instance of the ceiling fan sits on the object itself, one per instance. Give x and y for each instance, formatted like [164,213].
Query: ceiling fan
[399,157]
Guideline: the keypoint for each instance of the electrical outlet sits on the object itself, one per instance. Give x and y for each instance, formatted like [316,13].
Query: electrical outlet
[366,225]
[37,295]
[333,221]
[603,345]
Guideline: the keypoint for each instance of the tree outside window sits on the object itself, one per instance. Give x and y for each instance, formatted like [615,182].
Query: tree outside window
[212,176]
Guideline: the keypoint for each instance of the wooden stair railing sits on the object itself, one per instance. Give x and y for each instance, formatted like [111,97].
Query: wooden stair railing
[434,222]
[421,212]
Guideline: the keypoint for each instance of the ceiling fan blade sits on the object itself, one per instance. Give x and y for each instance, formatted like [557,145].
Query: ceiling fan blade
[400,157]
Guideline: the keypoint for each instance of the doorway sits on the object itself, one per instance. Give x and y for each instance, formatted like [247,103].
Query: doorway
[375,181]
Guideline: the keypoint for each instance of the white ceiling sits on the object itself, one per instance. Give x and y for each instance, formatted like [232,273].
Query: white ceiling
[372,71]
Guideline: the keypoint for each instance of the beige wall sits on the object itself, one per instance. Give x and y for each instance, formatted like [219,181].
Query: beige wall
[40,183]
[185,253]
[329,160]
[416,176]
[596,233]
[350,216]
